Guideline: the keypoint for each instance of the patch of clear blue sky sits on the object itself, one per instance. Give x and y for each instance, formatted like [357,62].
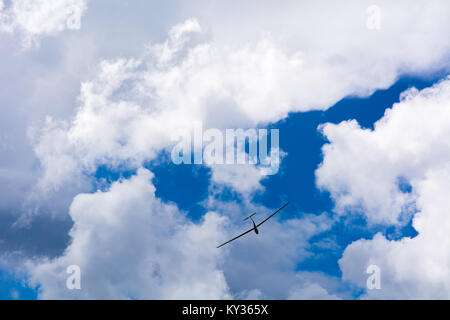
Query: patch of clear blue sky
[187,185]
[11,288]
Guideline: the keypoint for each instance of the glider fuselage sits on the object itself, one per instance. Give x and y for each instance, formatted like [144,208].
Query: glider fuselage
[254,227]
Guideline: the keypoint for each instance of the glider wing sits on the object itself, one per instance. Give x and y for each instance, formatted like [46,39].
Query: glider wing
[272,215]
[236,237]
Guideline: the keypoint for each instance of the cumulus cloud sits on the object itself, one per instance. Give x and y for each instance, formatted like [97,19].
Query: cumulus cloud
[242,178]
[362,168]
[368,170]
[340,55]
[129,111]
[36,18]
[128,244]
[311,291]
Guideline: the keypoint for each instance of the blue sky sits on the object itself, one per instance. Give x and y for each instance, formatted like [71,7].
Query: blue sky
[88,180]
[295,183]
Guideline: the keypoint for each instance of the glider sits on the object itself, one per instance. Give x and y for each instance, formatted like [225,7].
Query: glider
[255,226]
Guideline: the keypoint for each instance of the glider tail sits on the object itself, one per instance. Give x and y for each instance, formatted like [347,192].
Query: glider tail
[250,216]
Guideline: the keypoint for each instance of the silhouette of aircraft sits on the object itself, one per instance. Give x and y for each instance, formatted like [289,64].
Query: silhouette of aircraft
[255,226]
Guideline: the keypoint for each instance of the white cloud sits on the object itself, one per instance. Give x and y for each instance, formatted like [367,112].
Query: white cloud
[311,291]
[255,78]
[361,169]
[416,268]
[129,244]
[127,112]
[242,178]
[36,18]
[253,294]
